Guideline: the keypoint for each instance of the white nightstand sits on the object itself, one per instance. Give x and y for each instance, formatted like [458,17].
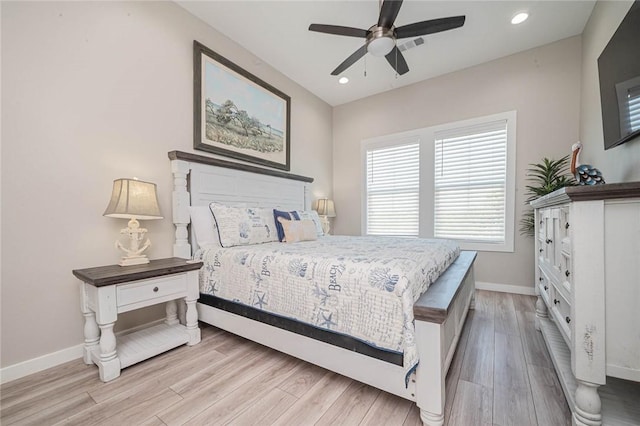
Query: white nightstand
[107,291]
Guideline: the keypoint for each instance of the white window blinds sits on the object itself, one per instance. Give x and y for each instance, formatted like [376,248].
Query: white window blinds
[470,183]
[392,190]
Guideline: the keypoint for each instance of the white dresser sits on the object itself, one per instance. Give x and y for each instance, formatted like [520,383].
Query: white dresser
[588,284]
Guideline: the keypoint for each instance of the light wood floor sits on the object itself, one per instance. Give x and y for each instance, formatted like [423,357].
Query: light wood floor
[501,375]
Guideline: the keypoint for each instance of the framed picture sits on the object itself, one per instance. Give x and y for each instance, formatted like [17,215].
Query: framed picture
[238,115]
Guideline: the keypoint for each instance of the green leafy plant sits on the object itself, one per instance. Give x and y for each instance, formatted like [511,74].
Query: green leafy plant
[545,178]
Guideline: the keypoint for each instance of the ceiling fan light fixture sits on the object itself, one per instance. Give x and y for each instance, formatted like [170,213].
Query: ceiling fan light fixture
[381,46]
[519,18]
[343,80]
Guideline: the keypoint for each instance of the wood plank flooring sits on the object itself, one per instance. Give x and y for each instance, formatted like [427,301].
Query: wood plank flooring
[500,375]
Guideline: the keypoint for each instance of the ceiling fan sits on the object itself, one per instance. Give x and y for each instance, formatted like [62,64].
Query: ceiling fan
[381,38]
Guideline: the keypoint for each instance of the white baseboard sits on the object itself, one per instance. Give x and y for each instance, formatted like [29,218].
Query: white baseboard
[506,288]
[40,363]
[22,369]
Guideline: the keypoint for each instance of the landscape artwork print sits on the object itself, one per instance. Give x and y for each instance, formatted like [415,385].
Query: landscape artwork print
[238,115]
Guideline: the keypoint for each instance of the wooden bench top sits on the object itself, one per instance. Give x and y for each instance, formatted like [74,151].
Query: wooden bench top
[433,305]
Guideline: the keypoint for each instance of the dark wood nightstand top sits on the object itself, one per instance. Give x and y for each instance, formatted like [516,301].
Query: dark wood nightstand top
[116,274]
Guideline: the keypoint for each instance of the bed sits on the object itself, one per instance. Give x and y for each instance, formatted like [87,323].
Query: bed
[438,314]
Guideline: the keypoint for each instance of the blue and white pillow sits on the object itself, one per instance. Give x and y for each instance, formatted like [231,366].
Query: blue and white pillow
[313,216]
[293,215]
[238,226]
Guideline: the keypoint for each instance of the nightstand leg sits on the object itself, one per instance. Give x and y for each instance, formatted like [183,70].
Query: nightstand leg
[182,308]
[91,335]
[109,361]
[172,313]
[192,323]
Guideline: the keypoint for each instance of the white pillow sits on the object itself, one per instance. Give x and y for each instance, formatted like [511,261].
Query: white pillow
[238,226]
[313,216]
[204,226]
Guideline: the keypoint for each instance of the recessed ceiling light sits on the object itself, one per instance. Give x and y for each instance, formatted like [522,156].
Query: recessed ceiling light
[343,80]
[519,18]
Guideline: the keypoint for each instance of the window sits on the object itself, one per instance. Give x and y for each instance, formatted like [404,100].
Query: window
[453,181]
[470,183]
[392,189]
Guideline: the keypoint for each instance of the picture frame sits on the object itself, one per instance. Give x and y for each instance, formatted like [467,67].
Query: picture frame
[238,115]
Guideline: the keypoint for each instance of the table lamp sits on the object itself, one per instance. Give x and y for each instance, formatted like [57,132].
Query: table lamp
[326,209]
[133,199]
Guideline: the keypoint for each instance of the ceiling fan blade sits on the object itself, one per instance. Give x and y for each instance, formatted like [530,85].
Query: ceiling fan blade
[389,12]
[397,61]
[429,27]
[350,60]
[339,30]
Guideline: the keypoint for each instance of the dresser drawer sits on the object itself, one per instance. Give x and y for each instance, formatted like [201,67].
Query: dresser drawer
[565,277]
[561,309]
[544,285]
[565,225]
[150,292]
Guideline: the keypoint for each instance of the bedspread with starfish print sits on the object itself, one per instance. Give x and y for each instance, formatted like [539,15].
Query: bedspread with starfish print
[364,287]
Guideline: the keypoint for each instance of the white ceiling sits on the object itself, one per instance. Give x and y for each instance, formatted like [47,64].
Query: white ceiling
[277,32]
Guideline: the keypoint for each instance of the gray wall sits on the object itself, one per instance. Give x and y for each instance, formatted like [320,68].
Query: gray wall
[542,85]
[620,164]
[91,92]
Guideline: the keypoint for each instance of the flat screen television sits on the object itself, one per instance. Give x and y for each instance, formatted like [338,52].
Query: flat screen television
[619,69]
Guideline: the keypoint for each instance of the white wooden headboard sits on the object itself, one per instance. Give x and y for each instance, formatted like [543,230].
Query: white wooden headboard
[200,180]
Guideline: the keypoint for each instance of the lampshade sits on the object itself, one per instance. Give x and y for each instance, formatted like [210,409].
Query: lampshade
[133,199]
[326,208]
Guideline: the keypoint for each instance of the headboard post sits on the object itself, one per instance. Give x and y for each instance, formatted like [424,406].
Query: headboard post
[181,202]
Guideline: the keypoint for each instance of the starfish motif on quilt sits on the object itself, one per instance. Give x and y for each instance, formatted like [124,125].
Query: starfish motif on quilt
[260,302]
[327,320]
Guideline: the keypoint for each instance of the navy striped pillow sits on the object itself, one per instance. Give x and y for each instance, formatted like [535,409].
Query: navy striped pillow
[287,215]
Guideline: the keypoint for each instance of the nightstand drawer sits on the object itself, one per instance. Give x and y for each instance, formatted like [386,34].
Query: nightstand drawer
[150,292]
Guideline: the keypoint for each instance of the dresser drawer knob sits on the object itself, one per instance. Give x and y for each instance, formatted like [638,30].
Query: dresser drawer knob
[556,301]
[567,273]
[546,288]
[549,241]
[540,279]
[566,225]
[540,250]
[155,289]
[568,320]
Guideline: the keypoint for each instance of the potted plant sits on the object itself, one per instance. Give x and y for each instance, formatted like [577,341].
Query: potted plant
[545,178]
